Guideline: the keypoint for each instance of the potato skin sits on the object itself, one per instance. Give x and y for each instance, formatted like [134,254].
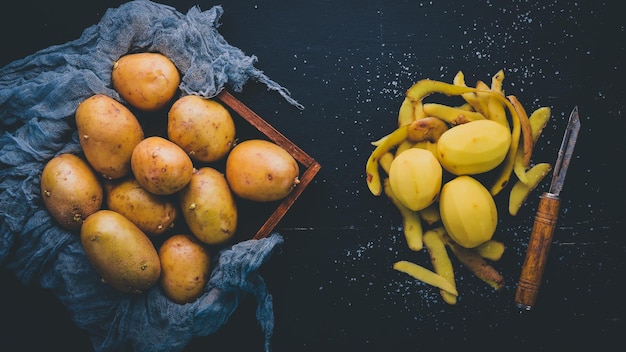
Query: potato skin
[108,133]
[203,127]
[185,267]
[261,170]
[70,190]
[209,207]
[161,166]
[147,81]
[153,214]
[120,252]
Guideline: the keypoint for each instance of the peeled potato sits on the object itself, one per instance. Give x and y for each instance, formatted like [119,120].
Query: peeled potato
[474,147]
[262,171]
[147,81]
[161,166]
[70,190]
[468,211]
[185,268]
[203,127]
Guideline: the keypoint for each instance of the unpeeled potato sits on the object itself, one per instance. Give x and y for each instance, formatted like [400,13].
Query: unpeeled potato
[209,207]
[108,133]
[161,166]
[147,81]
[185,268]
[203,127]
[120,252]
[153,214]
[261,170]
[70,190]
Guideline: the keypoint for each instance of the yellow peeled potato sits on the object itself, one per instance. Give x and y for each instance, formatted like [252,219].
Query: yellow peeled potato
[185,268]
[473,148]
[108,133]
[147,81]
[153,214]
[260,170]
[70,190]
[120,252]
[203,127]
[468,211]
[161,166]
[415,176]
[209,207]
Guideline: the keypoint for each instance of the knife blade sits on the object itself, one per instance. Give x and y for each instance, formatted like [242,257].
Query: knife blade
[545,221]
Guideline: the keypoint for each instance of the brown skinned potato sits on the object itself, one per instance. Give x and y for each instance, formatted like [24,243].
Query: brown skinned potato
[185,268]
[203,127]
[209,207]
[120,252]
[70,190]
[262,171]
[161,166]
[153,214]
[147,81]
[108,133]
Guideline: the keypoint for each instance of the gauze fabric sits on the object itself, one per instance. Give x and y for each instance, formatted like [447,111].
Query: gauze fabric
[38,97]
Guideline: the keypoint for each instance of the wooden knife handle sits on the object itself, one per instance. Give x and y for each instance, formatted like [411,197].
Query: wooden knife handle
[537,252]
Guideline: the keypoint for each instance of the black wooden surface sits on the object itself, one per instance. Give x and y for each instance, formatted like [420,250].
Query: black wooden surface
[349,63]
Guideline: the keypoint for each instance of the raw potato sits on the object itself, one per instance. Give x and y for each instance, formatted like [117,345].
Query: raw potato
[474,147]
[203,127]
[209,207]
[262,171]
[147,81]
[185,268]
[120,252]
[468,211]
[415,176]
[70,190]
[153,214]
[161,166]
[108,133]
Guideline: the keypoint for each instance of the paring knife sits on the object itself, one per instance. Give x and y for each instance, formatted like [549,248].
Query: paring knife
[545,221]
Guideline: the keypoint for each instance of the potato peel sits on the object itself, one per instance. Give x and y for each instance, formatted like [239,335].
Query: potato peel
[527,136]
[425,275]
[371,167]
[491,250]
[477,265]
[538,121]
[411,221]
[520,190]
[436,247]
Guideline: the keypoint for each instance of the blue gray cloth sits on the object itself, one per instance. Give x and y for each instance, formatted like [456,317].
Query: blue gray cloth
[38,98]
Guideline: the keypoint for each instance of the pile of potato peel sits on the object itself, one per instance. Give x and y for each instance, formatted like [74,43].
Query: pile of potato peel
[457,222]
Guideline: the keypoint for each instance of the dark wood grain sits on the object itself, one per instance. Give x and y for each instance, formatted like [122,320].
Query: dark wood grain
[349,63]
